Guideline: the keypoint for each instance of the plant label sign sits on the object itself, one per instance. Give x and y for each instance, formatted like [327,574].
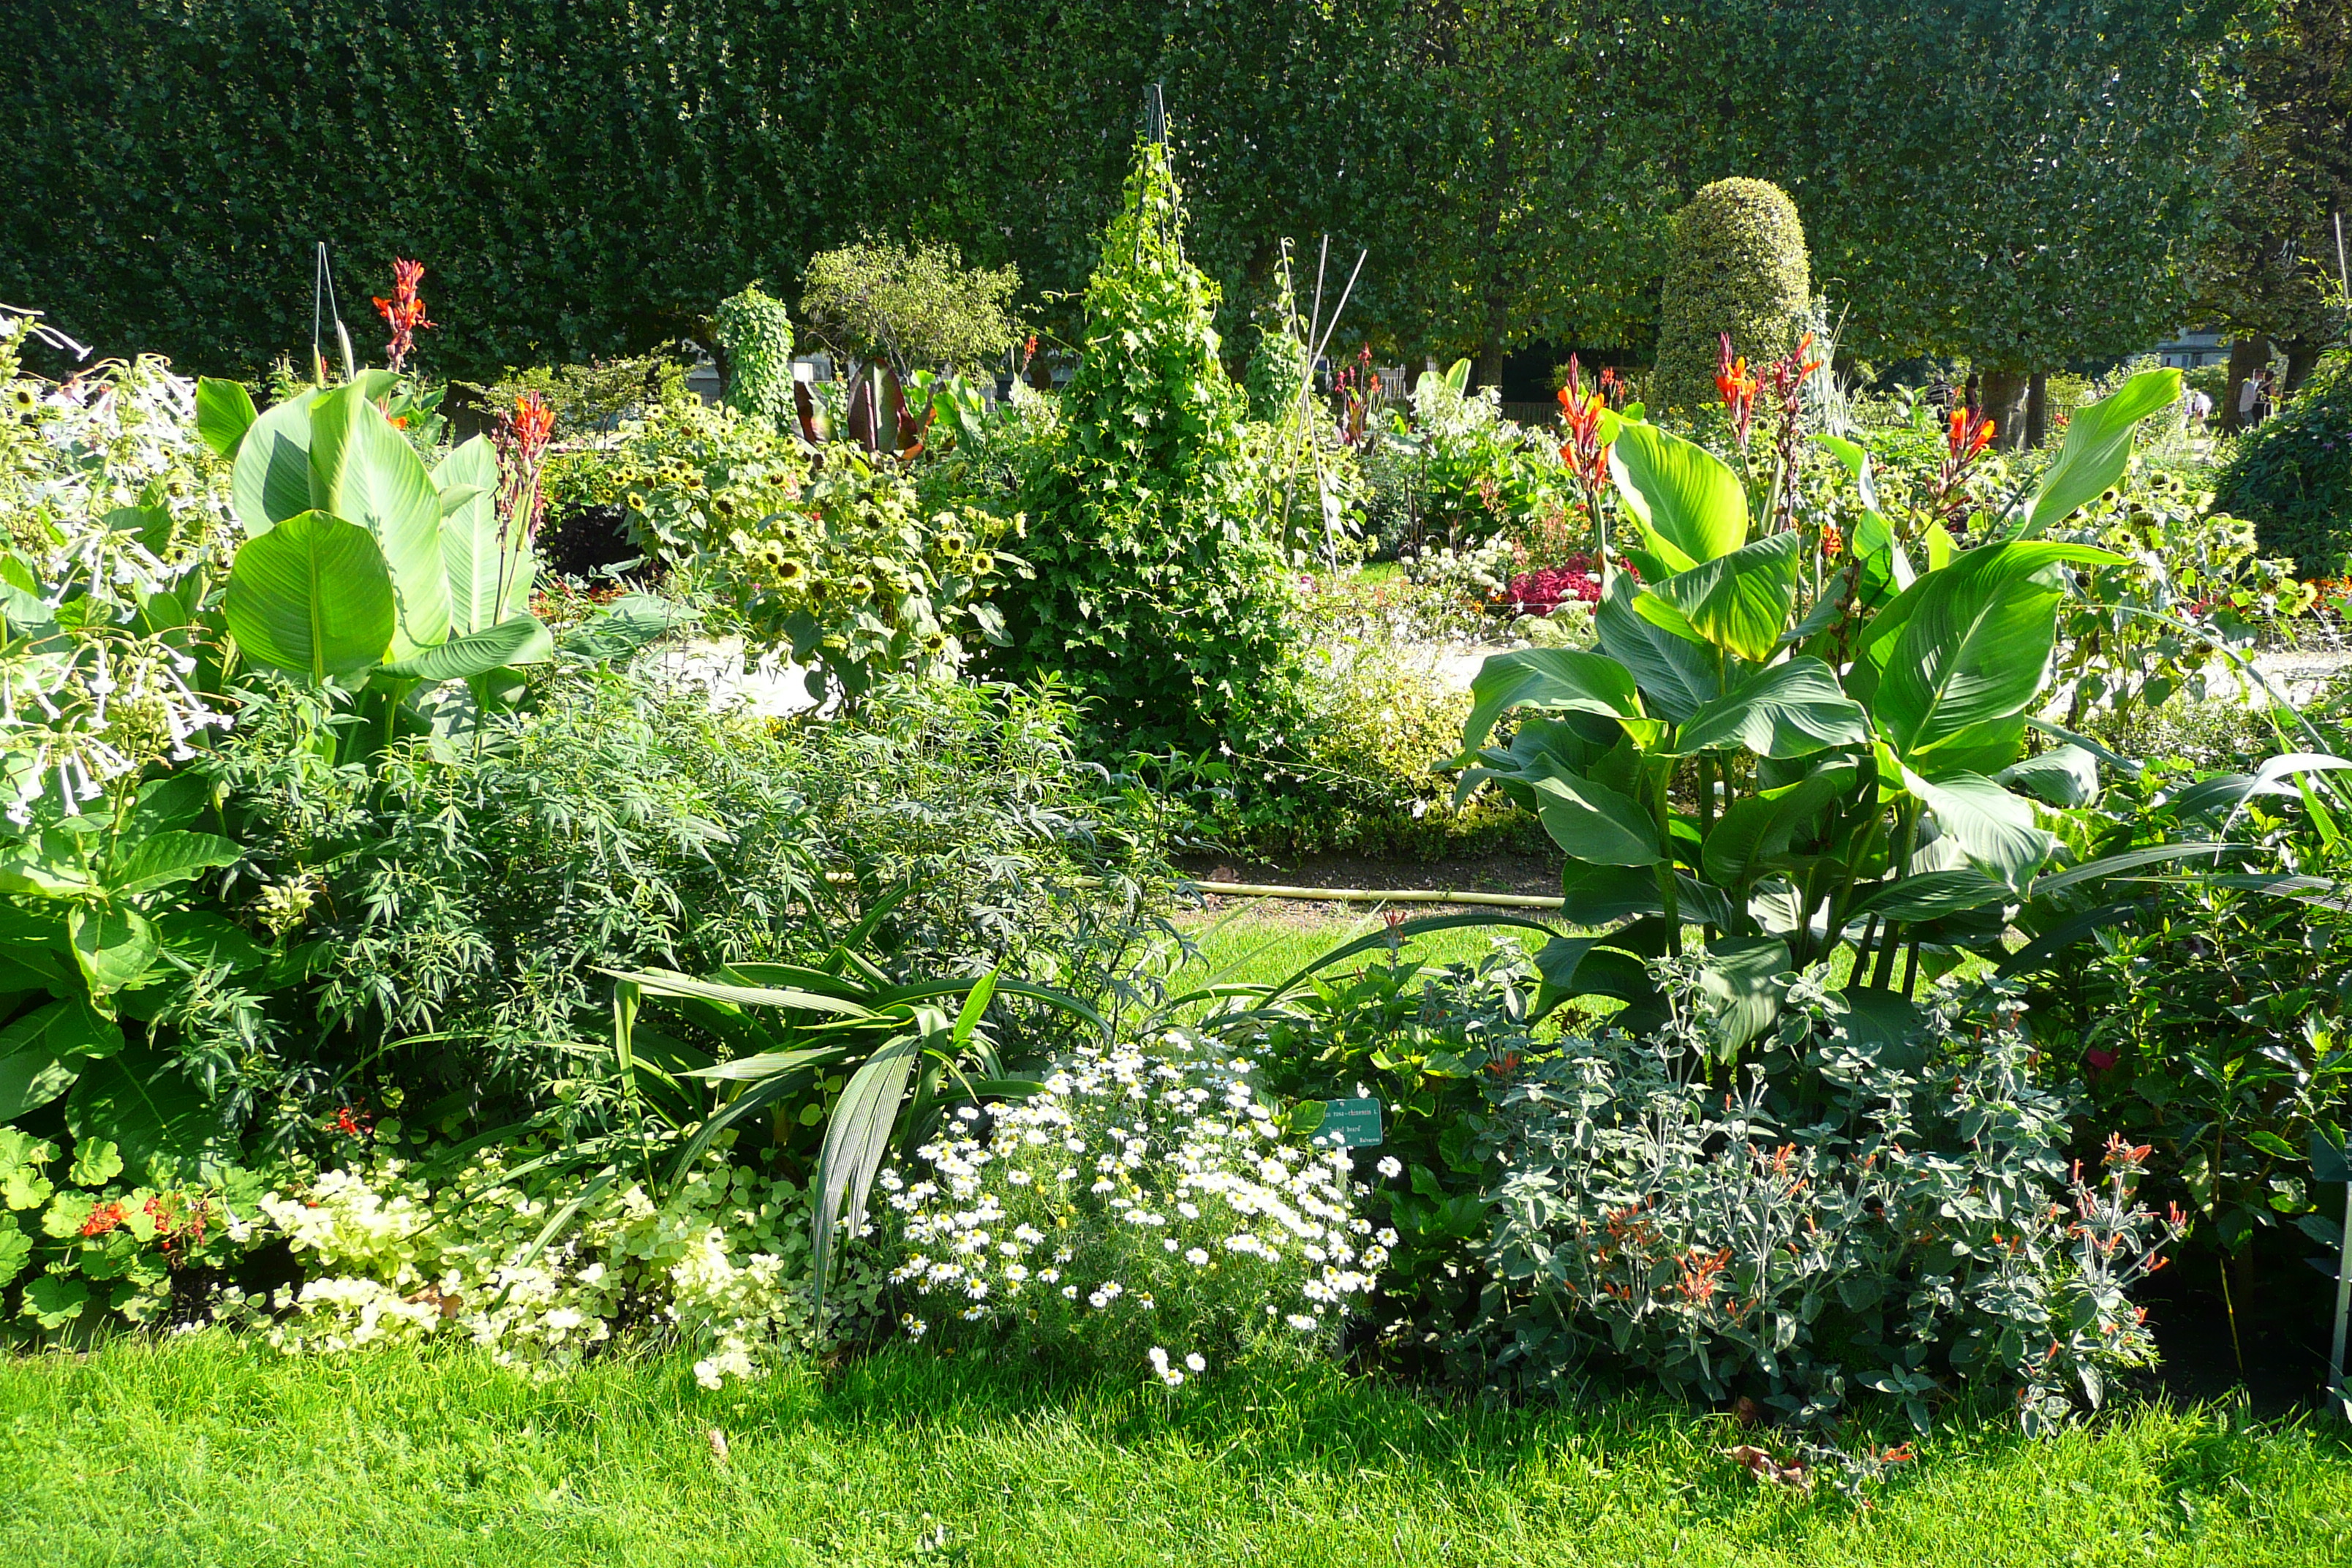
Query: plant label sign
[1350,1123]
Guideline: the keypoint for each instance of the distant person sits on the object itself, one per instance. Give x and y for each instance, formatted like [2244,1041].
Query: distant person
[2200,407]
[2250,399]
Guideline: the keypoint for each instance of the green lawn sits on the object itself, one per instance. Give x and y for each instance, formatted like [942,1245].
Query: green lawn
[203,1450]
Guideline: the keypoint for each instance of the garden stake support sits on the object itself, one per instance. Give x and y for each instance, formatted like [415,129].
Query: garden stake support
[1380,896]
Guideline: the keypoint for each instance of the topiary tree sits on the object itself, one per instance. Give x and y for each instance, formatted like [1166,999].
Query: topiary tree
[1737,264]
[1158,592]
[756,332]
[2292,477]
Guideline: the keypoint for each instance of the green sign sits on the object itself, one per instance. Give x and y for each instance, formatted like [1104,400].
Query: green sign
[1350,1125]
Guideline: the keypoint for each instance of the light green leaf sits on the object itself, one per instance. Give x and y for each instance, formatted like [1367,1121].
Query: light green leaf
[312,597]
[2063,775]
[114,947]
[1553,679]
[1690,507]
[1739,987]
[364,472]
[1594,823]
[1790,709]
[473,547]
[163,858]
[96,1162]
[2098,448]
[271,480]
[1994,828]
[1676,675]
[225,412]
[1755,832]
[1738,602]
[53,1301]
[522,640]
[855,1137]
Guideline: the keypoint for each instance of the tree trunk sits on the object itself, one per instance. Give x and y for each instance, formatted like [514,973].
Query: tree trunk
[2037,410]
[2302,358]
[2004,404]
[2247,355]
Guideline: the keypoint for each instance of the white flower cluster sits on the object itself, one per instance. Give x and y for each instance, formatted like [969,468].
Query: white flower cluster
[1138,1199]
[111,498]
[722,1263]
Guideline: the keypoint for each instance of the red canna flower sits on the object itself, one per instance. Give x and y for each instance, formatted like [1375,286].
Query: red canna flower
[1584,452]
[404,311]
[521,439]
[1736,388]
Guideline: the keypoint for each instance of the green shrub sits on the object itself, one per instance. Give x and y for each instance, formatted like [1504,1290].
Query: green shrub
[1160,592]
[1856,1219]
[909,309]
[2291,477]
[757,334]
[1739,265]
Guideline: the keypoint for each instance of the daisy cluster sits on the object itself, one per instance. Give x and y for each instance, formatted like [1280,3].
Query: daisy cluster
[1137,1200]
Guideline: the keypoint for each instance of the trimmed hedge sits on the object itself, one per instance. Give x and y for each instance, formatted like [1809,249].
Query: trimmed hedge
[2291,477]
[1738,265]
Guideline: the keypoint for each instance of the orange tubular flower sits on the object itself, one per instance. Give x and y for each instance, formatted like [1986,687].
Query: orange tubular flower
[1584,452]
[1737,387]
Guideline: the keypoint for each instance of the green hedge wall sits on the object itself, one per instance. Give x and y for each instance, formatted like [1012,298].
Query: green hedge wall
[587,176]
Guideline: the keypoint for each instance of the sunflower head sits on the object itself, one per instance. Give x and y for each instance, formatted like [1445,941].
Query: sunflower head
[21,398]
[791,572]
[982,563]
[935,642]
[951,544]
[861,587]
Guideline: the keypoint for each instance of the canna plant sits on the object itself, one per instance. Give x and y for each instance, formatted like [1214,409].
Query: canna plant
[1799,771]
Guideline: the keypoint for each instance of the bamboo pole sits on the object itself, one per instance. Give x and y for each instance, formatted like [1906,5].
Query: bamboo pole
[1382,895]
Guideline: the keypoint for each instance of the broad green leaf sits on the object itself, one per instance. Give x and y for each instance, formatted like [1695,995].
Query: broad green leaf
[2098,448]
[1552,679]
[661,983]
[1961,648]
[1677,676]
[2063,775]
[1756,832]
[225,412]
[163,858]
[1574,966]
[1739,987]
[141,1101]
[364,472]
[1928,894]
[1855,458]
[1689,506]
[207,941]
[114,947]
[473,546]
[522,640]
[1739,602]
[271,480]
[1874,543]
[42,1052]
[1886,1025]
[1790,709]
[1596,823]
[1994,828]
[174,800]
[624,625]
[97,1161]
[311,597]
[53,1301]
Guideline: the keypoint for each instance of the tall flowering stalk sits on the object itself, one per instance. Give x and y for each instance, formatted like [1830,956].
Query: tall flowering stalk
[1788,375]
[1738,389]
[403,312]
[522,439]
[1587,455]
[1965,439]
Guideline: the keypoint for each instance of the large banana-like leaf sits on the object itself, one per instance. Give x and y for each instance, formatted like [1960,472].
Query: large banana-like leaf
[1689,506]
[2098,448]
[1738,982]
[364,472]
[271,479]
[1791,709]
[1994,828]
[1675,674]
[1554,680]
[520,640]
[43,1052]
[1756,832]
[474,549]
[1738,602]
[1968,647]
[1595,822]
[311,597]
[140,1101]
[225,412]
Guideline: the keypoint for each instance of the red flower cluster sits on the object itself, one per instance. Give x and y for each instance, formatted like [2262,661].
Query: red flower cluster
[1970,433]
[1737,387]
[1584,452]
[521,439]
[1541,591]
[404,311]
[104,1218]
